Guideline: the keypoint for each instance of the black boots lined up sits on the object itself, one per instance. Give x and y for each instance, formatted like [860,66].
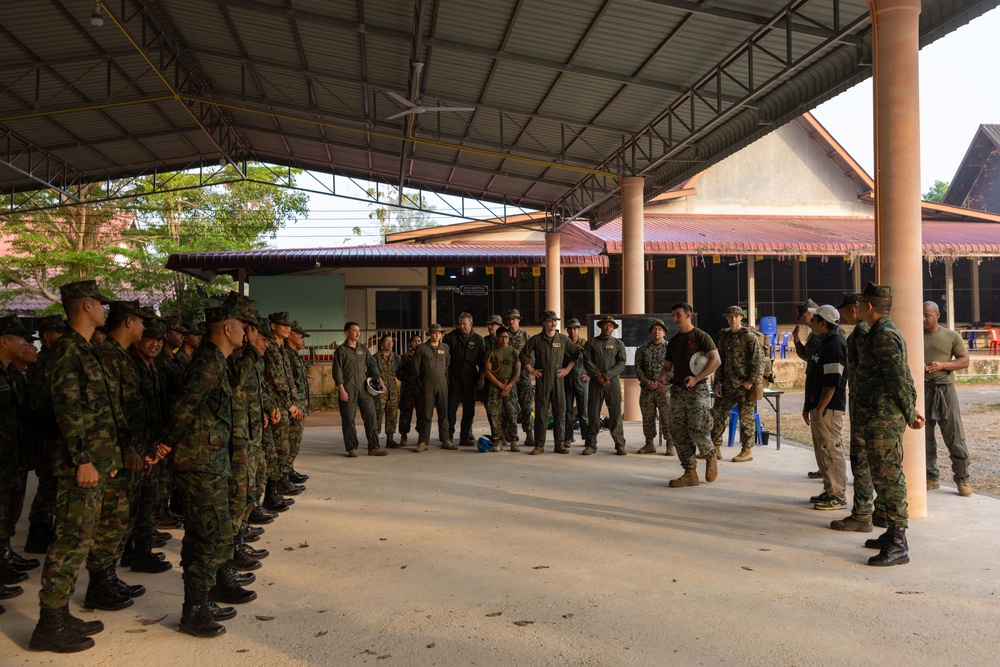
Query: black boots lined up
[892,547]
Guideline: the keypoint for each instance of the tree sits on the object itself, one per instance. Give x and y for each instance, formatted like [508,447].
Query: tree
[395,218]
[937,192]
[125,244]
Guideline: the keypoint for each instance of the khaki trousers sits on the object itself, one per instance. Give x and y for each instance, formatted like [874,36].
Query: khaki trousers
[826,430]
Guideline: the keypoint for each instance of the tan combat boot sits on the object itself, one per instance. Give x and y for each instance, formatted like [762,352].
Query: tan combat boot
[649,448]
[743,456]
[711,468]
[689,478]
[421,447]
[964,489]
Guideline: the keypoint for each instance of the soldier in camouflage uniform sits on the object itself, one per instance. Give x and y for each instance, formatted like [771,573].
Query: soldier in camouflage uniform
[862,517]
[525,390]
[653,397]
[281,384]
[198,437]
[387,403]
[575,387]
[691,358]
[503,368]
[353,366]
[40,529]
[300,371]
[409,390]
[549,357]
[86,453]
[887,404]
[736,382]
[603,361]
[273,502]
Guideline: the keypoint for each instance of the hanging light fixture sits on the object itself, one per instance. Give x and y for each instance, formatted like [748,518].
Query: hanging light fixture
[97,17]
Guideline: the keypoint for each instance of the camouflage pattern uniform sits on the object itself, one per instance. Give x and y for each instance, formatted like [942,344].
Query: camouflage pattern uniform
[605,356]
[430,364]
[409,393]
[262,445]
[886,401]
[40,514]
[525,389]
[242,366]
[352,366]
[299,375]
[14,421]
[742,361]
[387,404]
[690,409]
[648,364]
[281,384]
[864,492]
[149,494]
[501,410]
[550,355]
[89,420]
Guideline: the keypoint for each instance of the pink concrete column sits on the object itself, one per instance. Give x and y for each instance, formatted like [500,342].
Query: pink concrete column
[633,273]
[898,239]
[553,273]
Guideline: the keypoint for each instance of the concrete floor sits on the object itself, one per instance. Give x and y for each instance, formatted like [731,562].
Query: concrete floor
[468,558]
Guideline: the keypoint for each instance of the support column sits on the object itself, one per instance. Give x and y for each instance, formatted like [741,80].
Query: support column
[751,318]
[976,316]
[242,276]
[597,292]
[856,274]
[553,272]
[432,314]
[689,281]
[898,239]
[949,291]
[633,273]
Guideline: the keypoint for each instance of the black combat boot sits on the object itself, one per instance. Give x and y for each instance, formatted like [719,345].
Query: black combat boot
[241,578]
[272,499]
[8,592]
[144,560]
[298,477]
[53,633]
[80,626]
[894,550]
[252,533]
[102,593]
[287,488]
[878,542]
[15,561]
[10,576]
[39,537]
[241,545]
[125,589]
[226,590]
[196,617]
[220,613]
[128,553]
[243,562]
[167,519]
[260,516]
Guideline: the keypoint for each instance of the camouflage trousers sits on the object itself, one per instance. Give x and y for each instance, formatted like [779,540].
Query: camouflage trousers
[147,505]
[526,402]
[13,483]
[387,408]
[576,390]
[864,492]
[651,404]
[295,431]
[720,416]
[691,423]
[612,397]
[502,413]
[256,476]
[76,513]
[270,454]
[408,404]
[208,529]
[281,435]
[239,481]
[45,495]
[883,435]
[116,520]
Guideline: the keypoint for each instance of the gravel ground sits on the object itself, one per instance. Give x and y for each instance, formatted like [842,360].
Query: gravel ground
[980,408]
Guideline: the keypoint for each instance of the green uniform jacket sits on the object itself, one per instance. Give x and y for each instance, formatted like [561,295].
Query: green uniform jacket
[742,358]
[604,356]
[430,365]
[123,379]
[152,394]
[12,416]
[389,367]
[351,366]
[884,384]
[649,362]
[278,376]
[86,410]
[300,378]
[550,355]
[853,351]
[242,364]
[201,424]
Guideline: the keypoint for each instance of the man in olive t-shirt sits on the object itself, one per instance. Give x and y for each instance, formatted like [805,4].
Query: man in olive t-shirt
[944,353]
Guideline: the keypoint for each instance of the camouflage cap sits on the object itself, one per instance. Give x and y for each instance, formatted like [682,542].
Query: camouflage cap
[494,319]
[550,316]
[805,307]
[657,323]
[51,323]
[435,327]
[733,310]
[119,308]
[82,289]
[849,299]
[297,328]
[150,315]
[607,319]
[264,327]
[513,313]
[282,318]
[194,328]
[11,325]
[223,313]
[154,329]
[876,291]
[177,325]
[103,329]
[573,323]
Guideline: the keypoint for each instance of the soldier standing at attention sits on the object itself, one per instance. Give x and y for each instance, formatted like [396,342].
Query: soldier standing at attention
[576,387]
[887,403]
[736,382]
[861,518]
[191,341]
[549,357]
[503,368]
[387,403]
[281,384]
[296,341]
[604,361]
[409,390]
[353,365]
[691,358]
[430,364]
[944,353]
[653,396]
[525,395]
[86,453]
[464,377]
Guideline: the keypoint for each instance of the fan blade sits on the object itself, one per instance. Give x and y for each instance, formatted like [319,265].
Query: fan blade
[399,98]
[408,112]
[449,108]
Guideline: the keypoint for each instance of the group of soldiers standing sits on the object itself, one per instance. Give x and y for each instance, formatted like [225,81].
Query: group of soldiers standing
[134,422]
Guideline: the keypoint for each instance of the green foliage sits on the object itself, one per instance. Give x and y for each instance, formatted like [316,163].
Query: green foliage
[937,192]
[394,218]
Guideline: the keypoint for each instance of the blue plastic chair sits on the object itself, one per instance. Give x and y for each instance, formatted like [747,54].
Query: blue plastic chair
[783,348]
[734,420]
[769,327]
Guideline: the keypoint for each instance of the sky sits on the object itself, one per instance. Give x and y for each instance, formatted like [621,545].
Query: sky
[959,91]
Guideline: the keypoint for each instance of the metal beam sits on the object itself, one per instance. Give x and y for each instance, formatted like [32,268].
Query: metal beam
[39,165]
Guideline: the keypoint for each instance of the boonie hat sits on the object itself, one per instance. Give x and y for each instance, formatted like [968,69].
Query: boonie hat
[435,327]
[606,319]
[512,313]
[733,310]
[494,319]
[657,323]
[550,316]
[573,323]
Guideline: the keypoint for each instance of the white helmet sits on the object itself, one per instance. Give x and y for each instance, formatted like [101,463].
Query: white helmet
[372,385]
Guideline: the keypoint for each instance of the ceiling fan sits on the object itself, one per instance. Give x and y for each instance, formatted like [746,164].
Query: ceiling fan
[414,108]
